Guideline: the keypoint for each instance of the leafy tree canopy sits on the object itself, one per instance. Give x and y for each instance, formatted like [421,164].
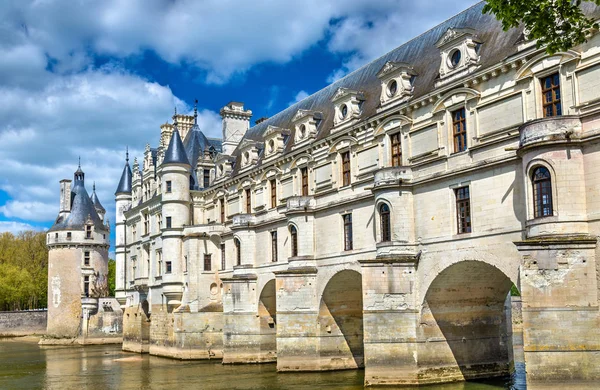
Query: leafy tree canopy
[557,24]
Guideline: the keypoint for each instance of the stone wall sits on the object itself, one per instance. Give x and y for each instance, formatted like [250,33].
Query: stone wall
[22,323]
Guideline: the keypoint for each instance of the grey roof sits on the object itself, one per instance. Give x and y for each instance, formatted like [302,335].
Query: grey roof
[421,53]
[124,186]
[175,153]
[82,209]
[96,201]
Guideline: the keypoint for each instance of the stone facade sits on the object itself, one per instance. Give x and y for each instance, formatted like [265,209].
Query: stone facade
[382,221]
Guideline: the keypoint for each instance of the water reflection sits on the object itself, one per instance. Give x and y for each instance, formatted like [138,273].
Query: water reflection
[25,365]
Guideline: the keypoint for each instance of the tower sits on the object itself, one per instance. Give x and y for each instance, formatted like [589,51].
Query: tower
[123,203]
[78,245]
[175,174]
[236,121]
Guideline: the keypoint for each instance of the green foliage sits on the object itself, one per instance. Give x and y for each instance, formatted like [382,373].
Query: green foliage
[514,291]
[23,271]
[112,267]
[557,24]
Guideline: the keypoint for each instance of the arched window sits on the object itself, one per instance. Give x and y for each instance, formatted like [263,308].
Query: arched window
[384,216]
[542,192]
[238,251]
[294,238]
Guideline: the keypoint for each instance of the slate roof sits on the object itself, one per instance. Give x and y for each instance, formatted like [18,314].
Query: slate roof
[96,201]
[175,153]
[421,53]
[125,182]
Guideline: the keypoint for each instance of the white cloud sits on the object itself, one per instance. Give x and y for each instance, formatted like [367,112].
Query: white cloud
[301,95]
[16,227]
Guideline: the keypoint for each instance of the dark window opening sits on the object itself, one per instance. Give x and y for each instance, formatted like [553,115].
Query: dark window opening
[248,201]
[238,251]
[384,216]
[304,174]
[345,169]
[222,209]
[396,150]
[542,193]
[223,256]
[273,246]
[206,178]
[273,193]
[463,210]
[168,268]
[294,240]
[168,222]
[86,286]
[207,261]
[551,96]
[168,186]
[347,232]
[459,126]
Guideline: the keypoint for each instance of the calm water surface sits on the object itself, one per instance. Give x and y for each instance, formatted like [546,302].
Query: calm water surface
[25,365]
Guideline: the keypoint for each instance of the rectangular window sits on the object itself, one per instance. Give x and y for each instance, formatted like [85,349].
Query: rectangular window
[273,193]
[146,224]
[168,268]
[159,262]
[223,257]
[207,261]
[345,169]
[86,286]
[88,231]
[222,209]
[459,126]
[463,210]
[273,246]
[68,235]
[396,150]
[206,178]
[304,174]
[347,232]
[168,222]
[551,95]
[248,201]
[168,186]
[86,258]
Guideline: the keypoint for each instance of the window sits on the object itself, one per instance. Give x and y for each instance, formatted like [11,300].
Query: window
[455,58]
[86,286]
[168,222]
[384,218]
[343,111]
[345,169]
[392,88]
[273,193]
[159,219]
[542,193]
[222,209]
[248,201]
[86,258]
[168,268]
[304,174]
[68,235]
[294,239]
[238,251]
[273,246]
[347,232]
[88,231]
[463,210]
[459,126]
[168,186]
[551,96]
[206,178]
[396,150]
[56,236]
[146,224]
[207,261]
[159,262]
[223,256]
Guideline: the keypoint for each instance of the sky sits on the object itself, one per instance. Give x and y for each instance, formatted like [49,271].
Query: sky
[83,78]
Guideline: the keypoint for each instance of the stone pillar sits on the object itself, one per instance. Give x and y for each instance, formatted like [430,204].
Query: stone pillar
[297,320]
[390,320]
[561,335]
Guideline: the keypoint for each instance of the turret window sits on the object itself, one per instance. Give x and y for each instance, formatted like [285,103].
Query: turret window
[294,240]
[169,187]
[86,258]
[168,222]
[551,96]
[238,251]
[542,193]
[168,267]
[68,235]
[384,219]
[88,231]
[274,246]
[304,174]
[207,261]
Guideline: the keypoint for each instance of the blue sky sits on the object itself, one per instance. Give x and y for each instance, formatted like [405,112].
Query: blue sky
[88,78]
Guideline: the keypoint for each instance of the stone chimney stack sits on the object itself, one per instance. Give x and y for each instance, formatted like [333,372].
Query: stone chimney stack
[236,121]
[65,196]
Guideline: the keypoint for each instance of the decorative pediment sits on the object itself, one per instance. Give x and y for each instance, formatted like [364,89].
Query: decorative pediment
[271,173]
[543,61]
[343,93]
[453,34]
[302,160]
[392,67]
[246,143]
[343,144]
[459,49]
[397,80]
[347,105]
[274,131]
[306,123]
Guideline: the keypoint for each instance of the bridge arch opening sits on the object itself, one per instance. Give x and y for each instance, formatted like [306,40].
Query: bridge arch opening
[267,312]
[465,319]
[341,322]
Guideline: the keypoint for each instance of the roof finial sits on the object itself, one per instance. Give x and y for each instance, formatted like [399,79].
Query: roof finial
[79,163]
[196,112]
[175,117]
[127,153]
[94,186]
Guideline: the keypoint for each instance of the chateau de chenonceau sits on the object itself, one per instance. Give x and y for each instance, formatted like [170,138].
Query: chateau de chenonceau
[379,223]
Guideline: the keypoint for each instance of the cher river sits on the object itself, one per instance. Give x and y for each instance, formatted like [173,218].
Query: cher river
[25,365]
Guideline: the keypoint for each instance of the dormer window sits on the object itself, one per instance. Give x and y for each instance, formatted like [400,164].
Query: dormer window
[302,130]
[343,111]
[271,146]
[396,83]
[306,124]
[459,49]
[275,140]
[455,58]
[348,106]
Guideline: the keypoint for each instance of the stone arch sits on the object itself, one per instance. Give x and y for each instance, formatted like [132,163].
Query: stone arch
[464,312]
[341,321]
[267,313]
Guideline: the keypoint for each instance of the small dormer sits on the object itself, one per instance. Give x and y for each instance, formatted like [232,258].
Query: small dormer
[459,49]
[223,166]
[275,138]
[306,124]
[396,82]
[347,105]
[249,150]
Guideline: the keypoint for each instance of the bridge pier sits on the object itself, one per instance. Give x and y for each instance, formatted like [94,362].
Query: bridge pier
[561,332]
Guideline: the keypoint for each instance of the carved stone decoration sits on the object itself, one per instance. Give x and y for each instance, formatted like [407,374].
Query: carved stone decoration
[348,105]
[459,49]
[275,138]
[306,123]
[397,80]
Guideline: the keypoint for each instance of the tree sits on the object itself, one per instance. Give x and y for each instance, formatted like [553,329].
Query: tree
[557,24]
[111,277]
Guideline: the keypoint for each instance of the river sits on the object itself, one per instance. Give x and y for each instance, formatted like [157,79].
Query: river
[25,365]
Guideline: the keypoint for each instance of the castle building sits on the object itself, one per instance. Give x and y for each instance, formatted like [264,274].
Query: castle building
[78,244]
[382,221]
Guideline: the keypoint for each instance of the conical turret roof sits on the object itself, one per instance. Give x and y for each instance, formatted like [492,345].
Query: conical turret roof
[124,186]
[96,201]
[175,153]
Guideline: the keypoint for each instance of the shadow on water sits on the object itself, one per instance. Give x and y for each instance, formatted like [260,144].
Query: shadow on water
[25,365]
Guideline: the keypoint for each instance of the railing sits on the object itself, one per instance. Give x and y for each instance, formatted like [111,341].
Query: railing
[392,176]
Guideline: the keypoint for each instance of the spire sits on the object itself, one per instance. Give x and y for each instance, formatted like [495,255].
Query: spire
[79,176]
[175,153]
[196,112]
[96,201]
[125,182]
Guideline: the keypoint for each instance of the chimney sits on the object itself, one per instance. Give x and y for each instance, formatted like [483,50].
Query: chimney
[236,121]
[261,120]
[65,196]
